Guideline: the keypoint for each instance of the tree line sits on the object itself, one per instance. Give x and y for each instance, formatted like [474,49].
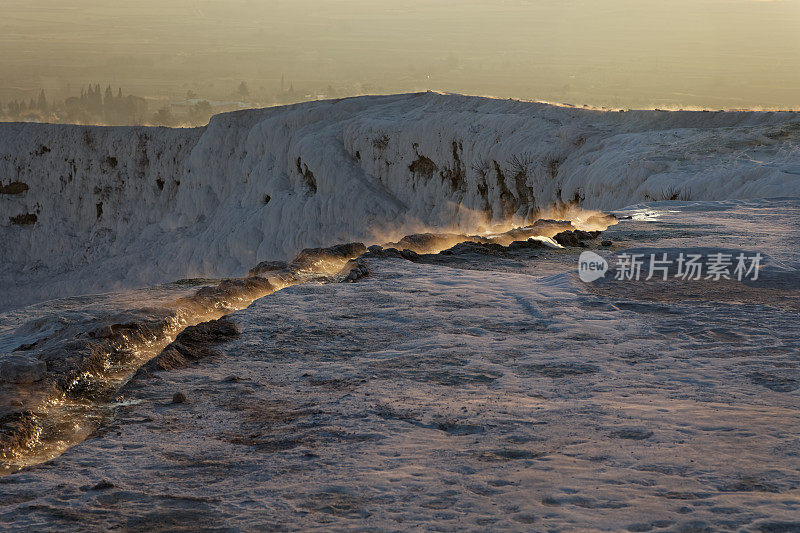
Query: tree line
[107,106]
[93,106]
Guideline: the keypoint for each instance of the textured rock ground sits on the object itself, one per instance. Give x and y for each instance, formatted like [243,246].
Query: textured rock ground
[470,391]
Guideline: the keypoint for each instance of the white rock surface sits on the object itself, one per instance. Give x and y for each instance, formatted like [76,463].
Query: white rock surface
[478,394]
[122,207]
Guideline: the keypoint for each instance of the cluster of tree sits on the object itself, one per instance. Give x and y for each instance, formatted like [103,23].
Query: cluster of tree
[198,114]
[93,106]
[98,106]
[33,108]
[286,96]
[107,108]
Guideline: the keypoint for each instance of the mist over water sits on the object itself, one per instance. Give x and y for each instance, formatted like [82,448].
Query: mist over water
[615,53]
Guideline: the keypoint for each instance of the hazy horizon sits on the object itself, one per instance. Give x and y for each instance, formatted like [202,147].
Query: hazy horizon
[614,53]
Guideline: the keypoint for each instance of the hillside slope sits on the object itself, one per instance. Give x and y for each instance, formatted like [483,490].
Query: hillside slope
[89,209]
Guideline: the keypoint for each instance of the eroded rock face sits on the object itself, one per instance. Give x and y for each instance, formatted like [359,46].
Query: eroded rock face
[391,253]
[540,228]
[531,243]
[425,243]
[480,248]
[551,223]
[575,238]
[341,252]
[193,344]
[266,267]
[73,361]
[357,271]
[229,291]
[17,430]
[21,369]
[547,228]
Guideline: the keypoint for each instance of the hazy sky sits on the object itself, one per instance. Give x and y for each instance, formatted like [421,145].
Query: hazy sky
[708,53]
